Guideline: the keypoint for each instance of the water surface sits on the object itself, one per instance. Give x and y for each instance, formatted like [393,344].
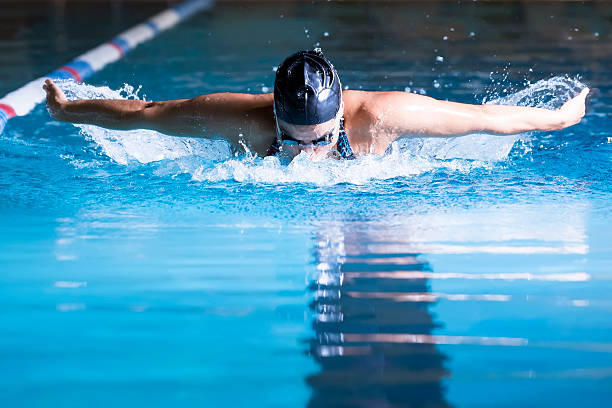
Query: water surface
[143,269]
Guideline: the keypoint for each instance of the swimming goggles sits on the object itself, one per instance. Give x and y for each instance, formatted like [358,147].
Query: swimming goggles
[288,140]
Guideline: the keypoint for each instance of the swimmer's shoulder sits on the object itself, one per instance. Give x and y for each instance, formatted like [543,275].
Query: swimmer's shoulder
[355,105]
[233,115]
[364,117]
[370,100]
[353,100]
[363,103]
[358,120]
[369,107]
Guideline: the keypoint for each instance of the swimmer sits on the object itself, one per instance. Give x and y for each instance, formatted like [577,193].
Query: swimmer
[308,111]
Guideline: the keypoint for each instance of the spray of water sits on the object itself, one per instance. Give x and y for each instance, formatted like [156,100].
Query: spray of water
[213,160]
[142,146]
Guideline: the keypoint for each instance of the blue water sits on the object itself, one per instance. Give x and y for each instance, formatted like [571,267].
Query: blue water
[141,269]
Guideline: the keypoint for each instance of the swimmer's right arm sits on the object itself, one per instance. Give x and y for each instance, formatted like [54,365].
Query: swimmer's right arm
[203,116]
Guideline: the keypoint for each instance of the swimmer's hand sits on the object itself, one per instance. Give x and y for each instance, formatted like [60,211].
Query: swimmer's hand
[573,110]
[56,99]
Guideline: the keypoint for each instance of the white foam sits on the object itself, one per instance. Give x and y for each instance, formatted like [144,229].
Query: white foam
[327,172]
[212,160]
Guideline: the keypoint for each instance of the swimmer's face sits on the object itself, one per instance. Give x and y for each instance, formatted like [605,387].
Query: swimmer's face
[316,140]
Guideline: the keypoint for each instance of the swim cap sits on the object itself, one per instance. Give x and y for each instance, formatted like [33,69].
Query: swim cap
[307,90]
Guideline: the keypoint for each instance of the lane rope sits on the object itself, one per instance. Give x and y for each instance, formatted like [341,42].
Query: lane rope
[23,100]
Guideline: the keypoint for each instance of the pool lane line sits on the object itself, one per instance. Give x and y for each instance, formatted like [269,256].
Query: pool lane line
[23,100]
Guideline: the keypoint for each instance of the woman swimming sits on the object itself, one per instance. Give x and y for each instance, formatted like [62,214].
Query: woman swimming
[308,111]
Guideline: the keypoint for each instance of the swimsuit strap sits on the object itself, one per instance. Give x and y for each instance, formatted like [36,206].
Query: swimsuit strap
[343,146]
[274,148]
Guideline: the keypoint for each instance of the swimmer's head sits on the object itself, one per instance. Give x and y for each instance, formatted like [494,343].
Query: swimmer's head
[307,90]
[316,140]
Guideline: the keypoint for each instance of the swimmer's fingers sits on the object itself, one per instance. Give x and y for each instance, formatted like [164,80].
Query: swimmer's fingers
[53,91]
[578,99]
[48,85]
[581,97]
[56,98]
[574,109]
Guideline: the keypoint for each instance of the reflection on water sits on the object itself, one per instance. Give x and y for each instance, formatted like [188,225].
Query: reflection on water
[356,319]
[514,298]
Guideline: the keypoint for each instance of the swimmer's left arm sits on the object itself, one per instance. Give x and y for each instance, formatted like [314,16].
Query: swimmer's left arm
[400,113]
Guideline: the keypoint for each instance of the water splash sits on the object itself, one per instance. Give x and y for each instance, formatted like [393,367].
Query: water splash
[143,146]
[547,93]
[214,161]
[328,172]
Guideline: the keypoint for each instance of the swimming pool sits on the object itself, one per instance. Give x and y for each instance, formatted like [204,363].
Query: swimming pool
[142,269]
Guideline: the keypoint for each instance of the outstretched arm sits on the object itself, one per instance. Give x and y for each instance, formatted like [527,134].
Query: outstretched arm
[113,114]
[204,116]
[400,114]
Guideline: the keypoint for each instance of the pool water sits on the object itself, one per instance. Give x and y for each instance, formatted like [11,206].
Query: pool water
[141,269]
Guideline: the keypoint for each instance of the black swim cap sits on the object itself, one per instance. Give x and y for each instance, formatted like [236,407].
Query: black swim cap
[307,90]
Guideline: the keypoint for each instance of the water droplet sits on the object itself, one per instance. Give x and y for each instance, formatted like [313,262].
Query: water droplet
[580,302]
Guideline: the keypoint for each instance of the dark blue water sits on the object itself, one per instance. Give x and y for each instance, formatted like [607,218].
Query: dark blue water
[137,268]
